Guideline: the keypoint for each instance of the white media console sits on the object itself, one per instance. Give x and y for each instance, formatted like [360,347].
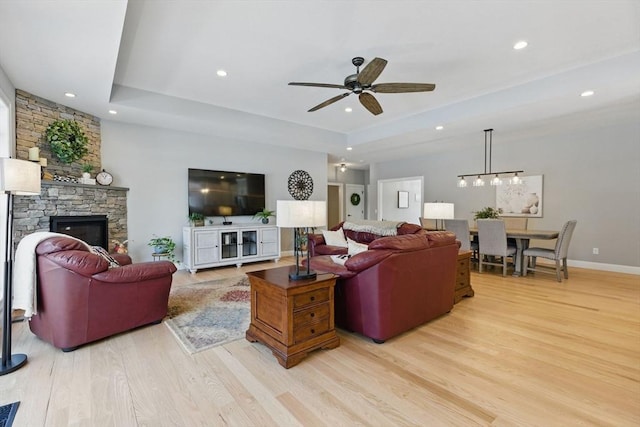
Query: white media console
[218,245]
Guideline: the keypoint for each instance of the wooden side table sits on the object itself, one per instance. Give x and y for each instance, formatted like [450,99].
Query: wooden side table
[292,317]
[463,277]
[158,256]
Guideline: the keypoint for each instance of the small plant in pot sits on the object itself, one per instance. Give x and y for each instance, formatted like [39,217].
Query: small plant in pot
[86,171]
[163,245]
[264,215]
[488,213]
[196,219]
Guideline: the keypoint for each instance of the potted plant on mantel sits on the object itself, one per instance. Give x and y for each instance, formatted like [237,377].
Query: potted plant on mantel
[264,215]
[196,219]
[163,245]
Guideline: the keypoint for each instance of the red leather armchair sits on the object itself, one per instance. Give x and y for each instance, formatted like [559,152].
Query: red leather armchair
[399,283]
[80,300]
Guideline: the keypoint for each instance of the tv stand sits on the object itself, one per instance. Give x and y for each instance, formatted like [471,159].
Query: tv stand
[218,245]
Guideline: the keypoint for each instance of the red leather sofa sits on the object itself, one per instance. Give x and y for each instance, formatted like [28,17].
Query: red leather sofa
[80,299]
[318,246]
[400,283]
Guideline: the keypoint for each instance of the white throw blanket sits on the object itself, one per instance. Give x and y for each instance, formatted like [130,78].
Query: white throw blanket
[24,272]
[381,228]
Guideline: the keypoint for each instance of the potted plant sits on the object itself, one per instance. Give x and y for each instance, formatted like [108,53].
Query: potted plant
[487,213]
[163,245]
[86,171]
[264,215]
[67,140]
[196,219]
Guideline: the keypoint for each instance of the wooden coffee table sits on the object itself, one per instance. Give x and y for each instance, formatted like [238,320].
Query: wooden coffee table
[292,317]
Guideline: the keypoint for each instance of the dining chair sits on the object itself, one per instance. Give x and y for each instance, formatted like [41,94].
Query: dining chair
[460,227]
[492,241]
[559,253]
[514,223]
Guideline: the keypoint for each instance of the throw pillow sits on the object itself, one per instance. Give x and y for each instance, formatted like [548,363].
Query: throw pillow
[99,250]
[354,247]
[334,238]
[340,259]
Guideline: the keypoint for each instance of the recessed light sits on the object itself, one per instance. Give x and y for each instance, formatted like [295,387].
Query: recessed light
[113,112]
[349,148]
[587,93]
[348,109]
[70,95]
[520,45]
[439,127]
[221,73]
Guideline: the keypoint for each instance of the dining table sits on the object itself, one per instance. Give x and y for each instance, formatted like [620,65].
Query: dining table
[522,238]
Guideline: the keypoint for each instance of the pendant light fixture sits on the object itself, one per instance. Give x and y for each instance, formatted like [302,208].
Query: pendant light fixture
[479,181]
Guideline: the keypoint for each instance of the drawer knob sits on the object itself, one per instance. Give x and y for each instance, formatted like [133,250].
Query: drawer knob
[313,331]
[313,298]
[312,315]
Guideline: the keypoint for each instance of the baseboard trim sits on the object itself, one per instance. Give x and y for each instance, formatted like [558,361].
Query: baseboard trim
[616,268]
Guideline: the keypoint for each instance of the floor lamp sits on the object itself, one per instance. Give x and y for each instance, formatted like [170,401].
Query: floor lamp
[17,177]
[299,215]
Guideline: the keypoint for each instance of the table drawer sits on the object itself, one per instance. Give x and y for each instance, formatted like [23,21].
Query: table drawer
[310,315]
[306,332]
[308,298]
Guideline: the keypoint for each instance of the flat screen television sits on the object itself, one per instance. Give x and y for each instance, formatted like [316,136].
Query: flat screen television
[224,193]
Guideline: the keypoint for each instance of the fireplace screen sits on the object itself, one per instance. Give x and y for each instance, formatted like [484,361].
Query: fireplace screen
[92,229]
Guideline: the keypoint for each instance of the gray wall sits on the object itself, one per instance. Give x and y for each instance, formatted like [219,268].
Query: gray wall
[153,164]
[591,174]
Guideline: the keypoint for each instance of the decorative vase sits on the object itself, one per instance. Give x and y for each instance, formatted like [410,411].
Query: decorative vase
[86,175]
[532,200]
[265,220]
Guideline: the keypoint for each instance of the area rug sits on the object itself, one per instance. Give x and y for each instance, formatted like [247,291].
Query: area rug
[208,314]
[8,413]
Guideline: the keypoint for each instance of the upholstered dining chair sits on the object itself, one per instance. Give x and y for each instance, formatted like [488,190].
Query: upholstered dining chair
[515,223]
[559,253]
[461,229]
[492,241]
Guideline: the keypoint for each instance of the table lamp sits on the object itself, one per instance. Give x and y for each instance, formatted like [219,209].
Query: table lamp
[299,215]
[438,211]
[17,177]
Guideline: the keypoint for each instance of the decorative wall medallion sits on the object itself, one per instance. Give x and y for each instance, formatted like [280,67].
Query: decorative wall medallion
[300,185]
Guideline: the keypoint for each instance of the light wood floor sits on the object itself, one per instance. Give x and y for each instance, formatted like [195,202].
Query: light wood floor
[522,352]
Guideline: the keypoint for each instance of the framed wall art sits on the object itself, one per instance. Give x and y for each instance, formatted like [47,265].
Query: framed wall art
[524,199]
[403,199]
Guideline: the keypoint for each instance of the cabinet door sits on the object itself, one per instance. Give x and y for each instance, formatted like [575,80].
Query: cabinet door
[249,243]
[206,247]
[269,242]
[229,245]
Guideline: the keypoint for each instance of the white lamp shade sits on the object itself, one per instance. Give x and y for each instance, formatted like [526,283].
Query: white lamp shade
[19,177]
[438,211]
[301,213]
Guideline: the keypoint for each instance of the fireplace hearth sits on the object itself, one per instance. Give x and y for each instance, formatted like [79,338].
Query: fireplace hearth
[92,229]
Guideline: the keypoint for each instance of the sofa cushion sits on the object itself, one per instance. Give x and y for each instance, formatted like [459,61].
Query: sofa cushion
[329,250]
[354,247]
[366,259]
[334,238]
[407,242]
[440,238]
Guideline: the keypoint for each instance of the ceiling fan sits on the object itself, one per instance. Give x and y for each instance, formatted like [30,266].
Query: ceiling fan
[360,82]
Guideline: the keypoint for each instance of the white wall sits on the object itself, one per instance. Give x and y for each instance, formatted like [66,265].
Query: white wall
[153,163]
[591,174]
[388,206]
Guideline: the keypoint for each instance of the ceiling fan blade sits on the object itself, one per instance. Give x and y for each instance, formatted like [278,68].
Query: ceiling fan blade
[402,87]
[318,85]
[370,103]
[371,71]
[329,102]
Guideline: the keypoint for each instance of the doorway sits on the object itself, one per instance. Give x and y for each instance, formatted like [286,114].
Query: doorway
[355,201]
[335,204]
